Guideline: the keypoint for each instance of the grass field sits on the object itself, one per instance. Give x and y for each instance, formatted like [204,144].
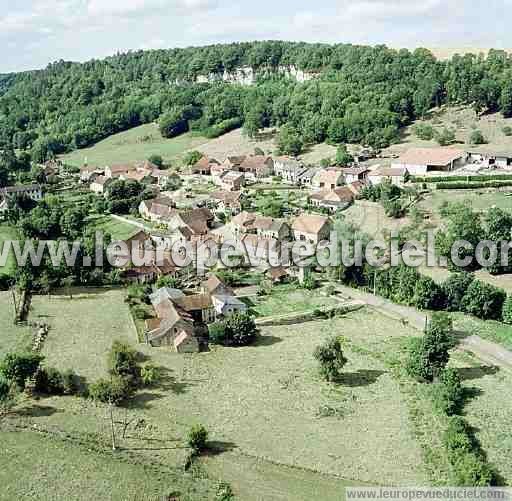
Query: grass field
[8,233]
[12,337]
[133,145]
[118,229]
[287,299]
[34,466]
[82,329]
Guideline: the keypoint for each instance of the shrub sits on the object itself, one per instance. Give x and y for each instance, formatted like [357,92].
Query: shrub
[428,295]
[477,137]
[240,329]
[197,437]
[507,130]
[18,367]
[192,157]
[222,128]
[114,390]
[156,160]
[455,288]
[507,310]
[173,123]
[49,381]
[448,392]
[149,374]
[484,301]
[217,333]
[224,492]
[331,359]
[122,360]
[429,355]
[471,470]
[424,131]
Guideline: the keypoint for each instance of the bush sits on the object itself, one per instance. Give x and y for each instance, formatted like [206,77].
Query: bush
[122,360]
[197,437]
[507,130]
[455,288]
[507,310]
[192,157]
[484,301]
[18,367]
[156,160]
[429,355]
[331,359]
[217,333]
[424,131]
[149,374]
[222,128]
[477,137]
[49,381]
[240,329]
[448,392]
[173,123]
[114,390]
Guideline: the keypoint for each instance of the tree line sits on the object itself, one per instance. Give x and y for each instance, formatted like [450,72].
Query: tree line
[361,94]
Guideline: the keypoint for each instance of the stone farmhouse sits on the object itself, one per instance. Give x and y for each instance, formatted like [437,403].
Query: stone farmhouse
[311,228]
[328,179]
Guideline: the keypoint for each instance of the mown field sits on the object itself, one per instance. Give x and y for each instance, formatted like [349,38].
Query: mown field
[133,145]
[108,224]
[83,327]
[287,299]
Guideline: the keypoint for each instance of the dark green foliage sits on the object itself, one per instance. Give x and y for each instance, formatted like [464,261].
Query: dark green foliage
[222,128]
[455,288]
[477,138]
[343,157]
[330,359]
[429,355]
[507,310]
[115,390]
[192,157]
[4,388]
[473,185]
[238,329]
[122,360]
[173,123]
[469,463]
[424,131]
[445,137]
[507,130]
[484,301]
[462,179]
[18,367]
[197,438]
[156,160]
[448,392]
[289,141]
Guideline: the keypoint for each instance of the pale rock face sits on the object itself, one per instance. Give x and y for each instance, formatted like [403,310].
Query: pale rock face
[246,75]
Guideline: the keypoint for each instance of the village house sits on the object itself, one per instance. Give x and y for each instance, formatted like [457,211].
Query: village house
[311,228]
[204,166]
[257,166]
[228,202]
[224,299]
[328,179]
[194,222]
[264,227]
[490,158]
[234,162]
[116,171]
[289,169]
[306,177]
[88,173]
[216,172]
[100,184]
[353,174]
[163,177]
[173,327]
[32,191]
[333,200]
[231,181]
[158,209]
[419,161]
[260,251]
[395,175]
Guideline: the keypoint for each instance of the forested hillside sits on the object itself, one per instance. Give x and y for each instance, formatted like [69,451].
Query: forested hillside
[361,94]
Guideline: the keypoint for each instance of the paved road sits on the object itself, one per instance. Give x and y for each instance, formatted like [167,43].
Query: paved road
[486,351]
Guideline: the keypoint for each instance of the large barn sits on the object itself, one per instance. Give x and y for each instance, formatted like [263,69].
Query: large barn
[419,161]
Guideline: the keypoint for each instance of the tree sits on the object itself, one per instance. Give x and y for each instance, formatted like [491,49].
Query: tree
[173,123]
[122,360]
[289,141]
[448,392]
[331,359]
[197,438]
[484,301]
[239,329]
[157,160]
[477,137]
[19,367]
[192,157]
[114,391]
[5,389]
[424,131]
[343,157]
[429,355]
[445,137]
[455,288]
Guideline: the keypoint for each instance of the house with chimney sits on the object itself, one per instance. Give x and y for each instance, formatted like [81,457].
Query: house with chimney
[158,209]
[257,166]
